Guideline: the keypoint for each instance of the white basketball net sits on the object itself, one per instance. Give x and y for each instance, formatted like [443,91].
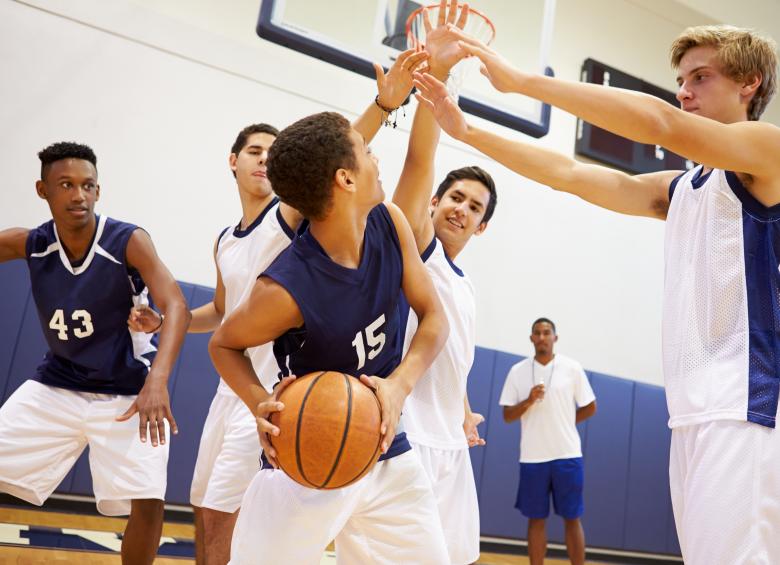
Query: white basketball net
[477,26]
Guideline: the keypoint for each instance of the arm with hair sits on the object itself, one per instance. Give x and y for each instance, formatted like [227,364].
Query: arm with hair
[12,244]
[640,195]
[740,146]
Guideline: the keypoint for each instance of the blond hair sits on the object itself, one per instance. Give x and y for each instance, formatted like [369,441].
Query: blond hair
[742,53]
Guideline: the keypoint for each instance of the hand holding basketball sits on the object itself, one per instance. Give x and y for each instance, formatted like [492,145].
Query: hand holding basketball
[391,398]
[433,94]
[263,418]
[395,86]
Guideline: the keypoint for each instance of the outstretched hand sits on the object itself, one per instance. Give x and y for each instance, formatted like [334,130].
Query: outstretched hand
[432,93]
[441,42]
[501,74]
[394,87]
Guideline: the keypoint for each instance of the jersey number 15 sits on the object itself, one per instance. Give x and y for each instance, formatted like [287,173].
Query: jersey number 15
[376,341]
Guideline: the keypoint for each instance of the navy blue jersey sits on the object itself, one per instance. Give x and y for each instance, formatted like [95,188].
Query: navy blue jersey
[351,321]
[83,308]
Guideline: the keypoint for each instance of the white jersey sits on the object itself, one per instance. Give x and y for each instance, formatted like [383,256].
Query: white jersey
[433,413]
[242,255]
[721,313]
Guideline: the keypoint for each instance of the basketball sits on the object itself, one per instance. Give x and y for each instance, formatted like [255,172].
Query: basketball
[328,431]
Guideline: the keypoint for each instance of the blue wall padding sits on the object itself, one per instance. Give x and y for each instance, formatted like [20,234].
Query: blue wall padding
[30,349]
[625,446]
[479,383]
[498,485]
[194,387]
[672,543]
[647,500]
[16,291]
[606,464]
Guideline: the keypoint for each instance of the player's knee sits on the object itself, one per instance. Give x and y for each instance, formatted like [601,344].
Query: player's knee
[148,508]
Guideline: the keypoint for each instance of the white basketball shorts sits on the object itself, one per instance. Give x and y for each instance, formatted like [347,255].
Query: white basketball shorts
[228,456]
[725,484]
[44,429]
[456,496]
[388,517]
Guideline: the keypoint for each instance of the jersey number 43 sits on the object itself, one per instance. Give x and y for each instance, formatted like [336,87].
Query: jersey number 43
[85,329]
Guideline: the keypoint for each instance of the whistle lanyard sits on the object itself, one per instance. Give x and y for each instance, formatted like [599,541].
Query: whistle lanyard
[533,374]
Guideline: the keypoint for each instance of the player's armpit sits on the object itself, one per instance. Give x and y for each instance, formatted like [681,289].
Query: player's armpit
[12,243]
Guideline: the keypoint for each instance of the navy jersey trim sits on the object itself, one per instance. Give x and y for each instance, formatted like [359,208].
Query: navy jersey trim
[239,233]
[699,177]
[221,235]
[399,446]
[749,202]
[673,185]
[425,255]
[288,231]
[79,262]
[453,265]
[761,241]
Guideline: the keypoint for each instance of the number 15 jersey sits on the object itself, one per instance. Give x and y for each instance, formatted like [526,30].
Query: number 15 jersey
[83,309]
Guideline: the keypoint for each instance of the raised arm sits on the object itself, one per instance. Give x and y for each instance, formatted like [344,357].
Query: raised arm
[12,244]
[393,89]
[741,146]
[413,193]
[432,332]
[152,403]
[640,195]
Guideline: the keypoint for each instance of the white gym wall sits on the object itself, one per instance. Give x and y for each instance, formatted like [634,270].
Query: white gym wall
[160,88]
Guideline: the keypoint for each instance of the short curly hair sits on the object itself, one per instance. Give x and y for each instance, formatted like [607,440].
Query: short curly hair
[65,150]
[304,158]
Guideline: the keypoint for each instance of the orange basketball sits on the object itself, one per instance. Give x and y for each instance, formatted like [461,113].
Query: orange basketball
[328,431]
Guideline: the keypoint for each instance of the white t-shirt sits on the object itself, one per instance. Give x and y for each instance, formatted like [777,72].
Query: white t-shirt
[549,429]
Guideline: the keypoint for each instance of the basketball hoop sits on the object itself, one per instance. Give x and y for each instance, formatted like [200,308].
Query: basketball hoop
[477,26]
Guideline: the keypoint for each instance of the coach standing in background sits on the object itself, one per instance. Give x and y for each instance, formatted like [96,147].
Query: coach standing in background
[550,394]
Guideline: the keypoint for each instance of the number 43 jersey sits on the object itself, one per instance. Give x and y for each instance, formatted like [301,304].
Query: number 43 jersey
[83,308]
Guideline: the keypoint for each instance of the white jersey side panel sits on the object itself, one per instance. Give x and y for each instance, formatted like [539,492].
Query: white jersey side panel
[720,314]
[433,413]
[242,256]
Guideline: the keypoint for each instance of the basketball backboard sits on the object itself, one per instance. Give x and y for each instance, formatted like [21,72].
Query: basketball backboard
[354,33]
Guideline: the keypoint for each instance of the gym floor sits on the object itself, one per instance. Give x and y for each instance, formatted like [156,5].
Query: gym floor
[34,536]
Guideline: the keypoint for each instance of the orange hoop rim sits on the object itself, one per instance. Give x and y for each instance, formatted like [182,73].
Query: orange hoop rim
[472,11]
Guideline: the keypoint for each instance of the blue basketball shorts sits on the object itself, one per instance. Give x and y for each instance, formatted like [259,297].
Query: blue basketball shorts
[563,478]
